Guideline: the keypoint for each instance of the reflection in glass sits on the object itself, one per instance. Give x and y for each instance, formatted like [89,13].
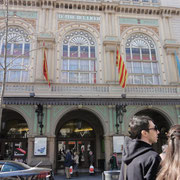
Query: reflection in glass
[137,67]
[84,51]
[17,49]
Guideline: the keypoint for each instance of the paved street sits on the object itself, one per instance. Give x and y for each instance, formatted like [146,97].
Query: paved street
[81,177]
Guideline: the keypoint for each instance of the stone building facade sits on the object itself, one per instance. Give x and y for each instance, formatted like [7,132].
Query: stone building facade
[84,108]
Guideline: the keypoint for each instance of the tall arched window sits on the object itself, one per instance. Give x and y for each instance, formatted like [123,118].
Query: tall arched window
[141,58]
[79,58]
[18,48]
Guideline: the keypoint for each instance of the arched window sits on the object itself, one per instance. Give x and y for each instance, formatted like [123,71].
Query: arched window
[141,58]
[18,48]
[79,58]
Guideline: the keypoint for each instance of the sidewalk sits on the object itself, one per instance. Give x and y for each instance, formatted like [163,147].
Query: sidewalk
[82,176]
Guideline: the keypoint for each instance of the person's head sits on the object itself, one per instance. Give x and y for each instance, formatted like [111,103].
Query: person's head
[170,165]
[173,148]
[90,152]
[143,128]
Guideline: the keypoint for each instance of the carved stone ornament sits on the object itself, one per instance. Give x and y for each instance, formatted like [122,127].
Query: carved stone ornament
[170,45]
[46,40]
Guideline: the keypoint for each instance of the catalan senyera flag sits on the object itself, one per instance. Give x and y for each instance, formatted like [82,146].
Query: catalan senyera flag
[45,68]
[122,71]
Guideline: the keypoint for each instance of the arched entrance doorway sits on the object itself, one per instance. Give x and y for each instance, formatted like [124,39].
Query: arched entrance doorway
[161,122]
[13,144]
[81,131]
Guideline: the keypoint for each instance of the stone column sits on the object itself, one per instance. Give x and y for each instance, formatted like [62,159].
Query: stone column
[52,152]
[108,150]
[48,160]
[110,63]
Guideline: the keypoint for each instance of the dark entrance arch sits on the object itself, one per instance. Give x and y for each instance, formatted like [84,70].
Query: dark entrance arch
[161,122]
[13,144]
[81,131]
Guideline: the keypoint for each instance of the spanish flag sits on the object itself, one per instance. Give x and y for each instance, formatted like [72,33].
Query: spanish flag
[122,71]
[45,68]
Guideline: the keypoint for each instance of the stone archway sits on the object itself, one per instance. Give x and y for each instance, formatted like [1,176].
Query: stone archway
[79,129]
[161,122]
[14,143]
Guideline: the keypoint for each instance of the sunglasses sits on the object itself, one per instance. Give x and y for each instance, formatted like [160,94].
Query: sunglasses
[154,128]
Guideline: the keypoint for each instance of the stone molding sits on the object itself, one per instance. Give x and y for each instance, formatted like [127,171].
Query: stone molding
[170,46]
[118,6]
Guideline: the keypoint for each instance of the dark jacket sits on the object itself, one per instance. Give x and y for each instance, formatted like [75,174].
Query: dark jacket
[142,162]
[113,162]
[68,160]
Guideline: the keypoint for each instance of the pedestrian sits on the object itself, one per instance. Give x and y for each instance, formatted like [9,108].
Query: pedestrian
[76,163]
[113,162]
[91,163]
[91,158]
[139,159]
[170,165]
[68,163]
[162,155]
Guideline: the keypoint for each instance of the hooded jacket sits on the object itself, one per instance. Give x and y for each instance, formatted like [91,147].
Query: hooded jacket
[142,162]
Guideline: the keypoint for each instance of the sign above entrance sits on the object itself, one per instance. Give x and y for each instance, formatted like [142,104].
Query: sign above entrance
[40,146]
[78,17]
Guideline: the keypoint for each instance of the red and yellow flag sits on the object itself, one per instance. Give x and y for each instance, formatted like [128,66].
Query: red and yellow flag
[45,68]
[122,71]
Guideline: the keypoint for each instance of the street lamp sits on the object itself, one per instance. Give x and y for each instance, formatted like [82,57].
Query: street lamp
[39,111]
[120,110]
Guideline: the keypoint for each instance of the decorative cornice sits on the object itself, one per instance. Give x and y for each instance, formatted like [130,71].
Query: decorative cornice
[111,7]
[89,101]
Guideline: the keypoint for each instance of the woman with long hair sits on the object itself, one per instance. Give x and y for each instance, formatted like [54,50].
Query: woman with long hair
[170,165]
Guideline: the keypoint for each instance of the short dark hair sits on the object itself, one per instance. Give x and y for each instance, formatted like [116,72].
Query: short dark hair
[137,124]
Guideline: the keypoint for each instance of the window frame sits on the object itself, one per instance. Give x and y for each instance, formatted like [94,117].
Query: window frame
[80,39]
[17,36]
[144,43]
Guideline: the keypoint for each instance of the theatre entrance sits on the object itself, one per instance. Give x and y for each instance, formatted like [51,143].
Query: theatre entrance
[80,131]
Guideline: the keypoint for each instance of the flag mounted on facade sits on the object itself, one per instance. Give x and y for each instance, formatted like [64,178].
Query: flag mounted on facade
[122,71]
[45,68]
[178,63]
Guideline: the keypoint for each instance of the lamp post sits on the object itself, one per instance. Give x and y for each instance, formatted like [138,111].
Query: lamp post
[120,110]
[39,111]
